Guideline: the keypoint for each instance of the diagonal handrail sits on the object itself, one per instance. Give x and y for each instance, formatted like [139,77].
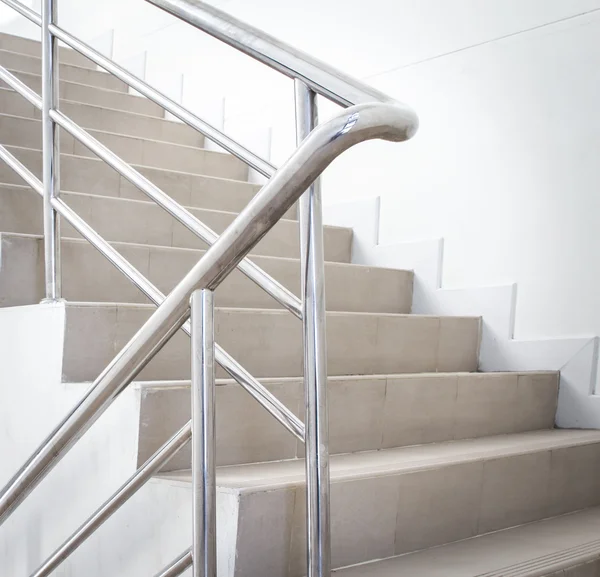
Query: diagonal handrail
[318,150]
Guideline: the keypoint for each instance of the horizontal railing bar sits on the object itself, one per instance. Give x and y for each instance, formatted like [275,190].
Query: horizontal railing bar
[317,151]
[319,76]
[24,11]
[177,566]
[244,154]
[281,294]
[31,96]
[252,386]
[22,170]
[152,466]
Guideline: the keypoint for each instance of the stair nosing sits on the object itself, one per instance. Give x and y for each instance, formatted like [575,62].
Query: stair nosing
[67,81]
[127,136]
[10,147]
[252,256]
[99,69]
[538,566]
[87,304]
[357,471]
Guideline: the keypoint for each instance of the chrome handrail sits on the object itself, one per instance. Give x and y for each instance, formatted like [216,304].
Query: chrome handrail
[377,116]
[326,142]
[291,62]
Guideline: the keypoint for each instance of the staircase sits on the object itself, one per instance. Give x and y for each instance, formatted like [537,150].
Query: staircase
[436,469]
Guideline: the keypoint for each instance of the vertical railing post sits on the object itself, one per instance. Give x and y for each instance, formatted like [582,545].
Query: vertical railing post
[51,151]
[315,355]
[204,515]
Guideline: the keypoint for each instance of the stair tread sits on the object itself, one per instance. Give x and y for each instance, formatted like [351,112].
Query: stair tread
[185,250]
[394,461]
[257,310]
[87,158]
[120,111]
[125,136]
[65,81]
[531,550]
[62,64]
[63,51]
[227,381]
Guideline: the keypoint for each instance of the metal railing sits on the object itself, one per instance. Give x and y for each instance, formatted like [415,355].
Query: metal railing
[371,115]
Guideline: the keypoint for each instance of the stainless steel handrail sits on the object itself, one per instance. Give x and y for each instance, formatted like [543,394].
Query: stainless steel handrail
[382,119]
[326,142]
[30,14]
[316,74]
[177,566]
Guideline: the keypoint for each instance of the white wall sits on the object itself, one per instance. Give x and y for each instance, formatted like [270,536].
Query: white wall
[504,167]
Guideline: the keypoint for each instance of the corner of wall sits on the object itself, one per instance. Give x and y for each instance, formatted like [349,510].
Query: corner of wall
[576,357]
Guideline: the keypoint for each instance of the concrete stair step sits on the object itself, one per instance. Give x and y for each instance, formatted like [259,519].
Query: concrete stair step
[395,501]
[565,546]
[98,117]
[370,412]
[32,47]
[88,276]
[92,176]
[76,92]
[27,133]
[75,73]
[268,342]
[124,220]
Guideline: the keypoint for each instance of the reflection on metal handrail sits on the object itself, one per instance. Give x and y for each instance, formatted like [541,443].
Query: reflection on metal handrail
[317,75]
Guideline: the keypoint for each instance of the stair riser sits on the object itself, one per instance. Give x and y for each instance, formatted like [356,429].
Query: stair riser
[146,223]
[27,133]
[108,120]
[34,48]
[89,277]
[268,343]
[364,414]
[93,176]
[87,76]
[411,511]
[89,95]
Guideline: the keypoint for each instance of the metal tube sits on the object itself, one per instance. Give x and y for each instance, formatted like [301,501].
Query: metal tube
[291,62]
[318,531]
[322,146]
[22,171]
[152,466]
[257,391]
[21,88]
[177,566]
[254,161]
[275,289]
[24,11]
[50,152]
[204,446]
